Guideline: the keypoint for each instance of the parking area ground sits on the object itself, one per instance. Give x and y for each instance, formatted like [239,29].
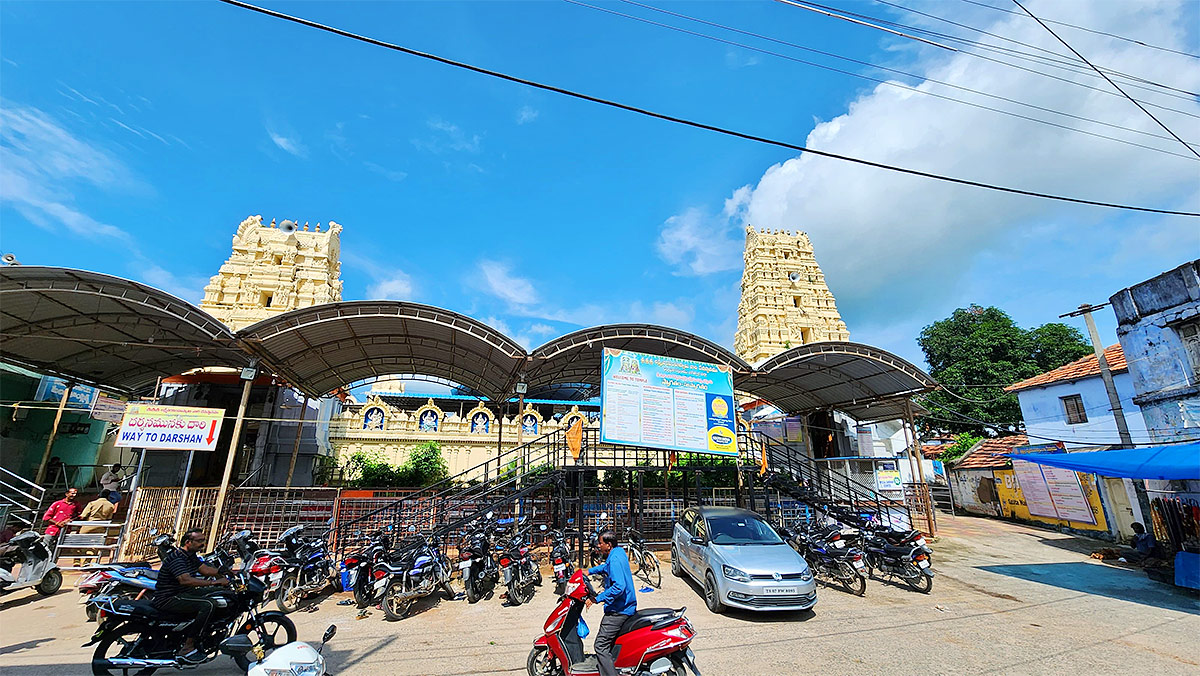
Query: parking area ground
[1008,599]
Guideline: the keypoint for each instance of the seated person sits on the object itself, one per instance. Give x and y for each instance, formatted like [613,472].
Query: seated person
[180,588]
[1143,543]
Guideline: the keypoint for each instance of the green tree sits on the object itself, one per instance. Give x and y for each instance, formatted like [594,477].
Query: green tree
[962,443]
[425,466]
[976,352]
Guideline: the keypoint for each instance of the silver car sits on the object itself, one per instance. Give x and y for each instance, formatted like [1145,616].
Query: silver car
[740,560]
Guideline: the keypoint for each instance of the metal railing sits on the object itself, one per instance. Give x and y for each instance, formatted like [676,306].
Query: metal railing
[21,500]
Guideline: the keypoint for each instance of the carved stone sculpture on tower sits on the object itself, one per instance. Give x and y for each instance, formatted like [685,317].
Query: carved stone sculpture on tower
[272,271]
[785,302]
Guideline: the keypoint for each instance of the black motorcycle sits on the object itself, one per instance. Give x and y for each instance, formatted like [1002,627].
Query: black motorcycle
[831,558]
[358,568]
[479,570]
[519,568]
[560,558]
[135,637]
[413,573]
[909,561]
[306,569]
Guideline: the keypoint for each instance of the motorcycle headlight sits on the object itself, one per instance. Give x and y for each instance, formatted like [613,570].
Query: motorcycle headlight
[297,669]
[735,574]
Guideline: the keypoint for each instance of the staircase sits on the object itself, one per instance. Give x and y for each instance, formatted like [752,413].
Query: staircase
[506,484]
[20,501]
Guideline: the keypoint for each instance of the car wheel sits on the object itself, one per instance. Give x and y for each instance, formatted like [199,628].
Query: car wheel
[712,594]
[676,569]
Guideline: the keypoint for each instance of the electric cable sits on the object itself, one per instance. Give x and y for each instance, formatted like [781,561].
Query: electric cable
[690,123]
[889,83]
[1089,30]
[999,428]
[1057,56]
[1002,50]
[1114,84]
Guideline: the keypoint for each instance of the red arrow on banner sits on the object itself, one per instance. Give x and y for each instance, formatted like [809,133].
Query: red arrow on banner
[211,428]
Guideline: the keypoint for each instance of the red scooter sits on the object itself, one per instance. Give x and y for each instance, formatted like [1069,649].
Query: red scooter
[653,641]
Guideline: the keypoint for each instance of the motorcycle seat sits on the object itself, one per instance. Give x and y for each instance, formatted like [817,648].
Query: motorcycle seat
[393,567]
[148,573]
[897,550]
[645,618]
[139,609]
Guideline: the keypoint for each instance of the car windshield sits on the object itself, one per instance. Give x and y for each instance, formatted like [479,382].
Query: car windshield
[741,530]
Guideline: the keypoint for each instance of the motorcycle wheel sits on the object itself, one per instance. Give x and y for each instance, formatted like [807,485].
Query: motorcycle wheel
[650,571]
[537,574]
[50,584]
[856,585]
[474,590]
[361,598]
[393,607]
[519,594]
[273,629]
[540,664]
[287,599]
[922,582]
[121,637]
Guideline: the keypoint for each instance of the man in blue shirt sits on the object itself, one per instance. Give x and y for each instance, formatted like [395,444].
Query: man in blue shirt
[619,599]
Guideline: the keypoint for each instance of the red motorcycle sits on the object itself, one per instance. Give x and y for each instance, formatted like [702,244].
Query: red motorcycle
[652,641]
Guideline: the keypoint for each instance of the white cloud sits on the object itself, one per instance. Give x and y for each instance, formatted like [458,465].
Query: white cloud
[541,330]
[389,174]
[40,162]
[287,144]
[395,285]
[501,283]
[699,243]
[189,288]
[449,137]
[527,114]
[888,240]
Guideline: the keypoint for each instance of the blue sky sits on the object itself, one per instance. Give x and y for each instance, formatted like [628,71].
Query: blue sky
[137,135]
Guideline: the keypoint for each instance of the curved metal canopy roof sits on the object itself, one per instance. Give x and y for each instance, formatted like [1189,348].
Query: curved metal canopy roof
[104,330]
[575,358]
[121,334]
[864,382]
[323,347]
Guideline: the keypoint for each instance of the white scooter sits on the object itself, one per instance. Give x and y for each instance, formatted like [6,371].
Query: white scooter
[297,657]
[38,569]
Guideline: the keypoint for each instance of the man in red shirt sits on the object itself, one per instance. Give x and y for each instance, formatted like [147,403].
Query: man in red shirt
[61,513]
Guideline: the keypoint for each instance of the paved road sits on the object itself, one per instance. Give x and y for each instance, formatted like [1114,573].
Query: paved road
[1008,599]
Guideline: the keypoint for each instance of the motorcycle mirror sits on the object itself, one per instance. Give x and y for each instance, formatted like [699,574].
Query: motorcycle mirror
[390,527]
[329,633]
[154,531]
[238,644]
[570,521]
[603,516]
[412,529]
[490,514]
[542,527]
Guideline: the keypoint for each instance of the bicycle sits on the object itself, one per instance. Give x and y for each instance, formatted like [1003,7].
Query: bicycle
[647,563]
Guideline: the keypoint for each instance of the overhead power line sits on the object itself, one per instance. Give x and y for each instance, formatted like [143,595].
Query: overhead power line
[1040,60]
[1089,30]
[692,123]
[1114,84]
[887,83]
[812,8]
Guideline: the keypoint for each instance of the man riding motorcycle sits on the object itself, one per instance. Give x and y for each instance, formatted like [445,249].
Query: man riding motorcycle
[180,588]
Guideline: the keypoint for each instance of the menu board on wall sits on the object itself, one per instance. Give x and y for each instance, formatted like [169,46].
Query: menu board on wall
[666,402]
[1051,491]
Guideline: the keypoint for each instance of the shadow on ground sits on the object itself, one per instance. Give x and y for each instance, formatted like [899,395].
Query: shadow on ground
[1125,585]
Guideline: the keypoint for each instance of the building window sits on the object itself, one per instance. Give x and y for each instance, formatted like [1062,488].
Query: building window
[1189,333]
[1073,406]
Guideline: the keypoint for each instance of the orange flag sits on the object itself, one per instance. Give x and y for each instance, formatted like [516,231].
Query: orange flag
[575,438]
[762,469]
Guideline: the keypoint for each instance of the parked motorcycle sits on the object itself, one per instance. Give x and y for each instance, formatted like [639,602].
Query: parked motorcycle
[560,557]
[519,568]
[357,569]
[652,641]
[134,635]
[909,562]
[415,573]
[37,567]
[114,580]
[831,558]
[307,569]
[479,570]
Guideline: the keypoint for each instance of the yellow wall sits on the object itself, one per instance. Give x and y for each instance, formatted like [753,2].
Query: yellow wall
[1012,501]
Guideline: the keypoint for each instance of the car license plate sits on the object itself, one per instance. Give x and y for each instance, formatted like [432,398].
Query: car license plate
[779,591]
[560,567]
[858,564]
[923,563]
[464,565]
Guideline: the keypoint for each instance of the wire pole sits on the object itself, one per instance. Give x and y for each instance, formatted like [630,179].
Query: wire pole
[1114,399]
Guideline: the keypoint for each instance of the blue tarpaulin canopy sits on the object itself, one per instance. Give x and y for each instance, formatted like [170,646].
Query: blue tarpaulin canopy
[1177,461]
